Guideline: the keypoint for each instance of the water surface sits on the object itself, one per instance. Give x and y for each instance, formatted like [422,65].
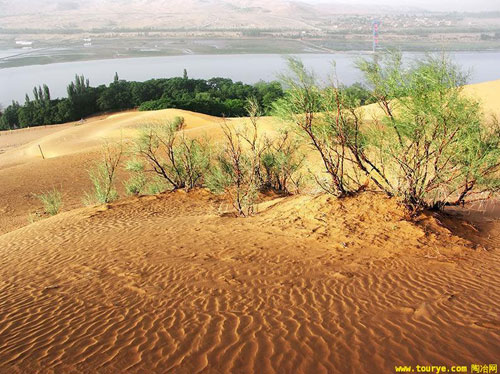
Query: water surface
[16,82]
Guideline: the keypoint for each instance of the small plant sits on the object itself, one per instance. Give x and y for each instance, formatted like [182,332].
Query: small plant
[281,162]
[156,185]
[52,201]
[171,155]
[135,184]
[235,173]
[178,123]
[103,176]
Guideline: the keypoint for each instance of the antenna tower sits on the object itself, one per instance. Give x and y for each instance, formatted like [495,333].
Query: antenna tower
[375,28]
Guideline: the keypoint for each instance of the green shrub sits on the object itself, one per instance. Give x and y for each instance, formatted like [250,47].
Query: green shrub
[103,176]
[52,201]
[169,154]
[235,172]
[281,162]
[430,148]
[178,123]
[433,139]
[156,185]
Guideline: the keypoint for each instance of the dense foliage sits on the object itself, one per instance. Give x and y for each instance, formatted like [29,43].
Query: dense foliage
[216,96]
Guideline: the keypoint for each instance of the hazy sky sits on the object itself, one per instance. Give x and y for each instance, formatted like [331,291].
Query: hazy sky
[433,5]
[436,5]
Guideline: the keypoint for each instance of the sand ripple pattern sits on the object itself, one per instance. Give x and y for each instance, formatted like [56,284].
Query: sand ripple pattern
[165,285]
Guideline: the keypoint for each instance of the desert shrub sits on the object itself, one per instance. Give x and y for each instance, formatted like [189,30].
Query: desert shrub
[328,119]
[281,162]
[430,148]
[103,176]
[156,185]
[234,172]
[432,140]
[141,183]
[248,163]
[275,159]
[178,123]
[168,153]
[52,201]
[254,144]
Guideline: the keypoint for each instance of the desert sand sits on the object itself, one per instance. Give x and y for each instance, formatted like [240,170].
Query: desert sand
[171,284]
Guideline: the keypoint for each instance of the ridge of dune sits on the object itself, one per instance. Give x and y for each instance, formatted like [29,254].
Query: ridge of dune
[59,140]
[486,92]
[166,284]
[489,95]
[86,136]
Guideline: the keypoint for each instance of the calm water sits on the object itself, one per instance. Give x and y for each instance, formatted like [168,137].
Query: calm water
[15,82]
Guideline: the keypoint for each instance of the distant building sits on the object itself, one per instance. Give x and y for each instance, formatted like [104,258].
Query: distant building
[24,43]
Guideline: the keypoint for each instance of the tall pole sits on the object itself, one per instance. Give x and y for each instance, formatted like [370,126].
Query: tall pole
[40,148]
[375,27]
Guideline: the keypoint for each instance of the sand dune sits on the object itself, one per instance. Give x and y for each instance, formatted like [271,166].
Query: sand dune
[70,151]
[169,284]
[88,135]
[487,93]
[164,284]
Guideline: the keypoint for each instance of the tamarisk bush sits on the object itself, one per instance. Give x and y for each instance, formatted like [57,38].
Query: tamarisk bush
[52,201]
[235,172]
[432,139]
[428,145]
[249,163]
[168,153]
[103,176]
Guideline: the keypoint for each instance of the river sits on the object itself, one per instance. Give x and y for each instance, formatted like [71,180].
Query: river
[16,82]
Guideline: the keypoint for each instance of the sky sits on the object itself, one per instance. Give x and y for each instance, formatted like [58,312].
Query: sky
[434,5]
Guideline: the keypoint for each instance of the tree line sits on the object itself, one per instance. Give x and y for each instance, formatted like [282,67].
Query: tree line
[215,96]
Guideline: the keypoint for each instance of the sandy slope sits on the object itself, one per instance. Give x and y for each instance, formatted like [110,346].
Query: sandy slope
[487,93]
[81,137]
[70,150]
[168,284]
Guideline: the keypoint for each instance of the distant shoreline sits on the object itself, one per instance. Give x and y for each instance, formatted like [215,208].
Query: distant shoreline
[44,56]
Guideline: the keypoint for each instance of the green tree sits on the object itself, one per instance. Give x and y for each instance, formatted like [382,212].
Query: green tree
[10,116]
[81,99]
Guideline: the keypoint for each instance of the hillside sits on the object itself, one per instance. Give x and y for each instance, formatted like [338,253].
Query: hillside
[211,14]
